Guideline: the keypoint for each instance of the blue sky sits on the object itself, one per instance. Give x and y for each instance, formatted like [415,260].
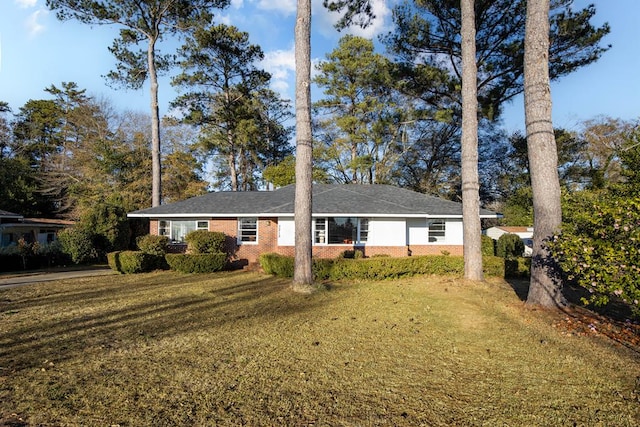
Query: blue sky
[37,50]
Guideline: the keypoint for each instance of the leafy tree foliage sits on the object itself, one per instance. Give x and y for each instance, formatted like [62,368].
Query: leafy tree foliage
[142,21]
[426,42]
[599,244]
[242,122]
[358,115]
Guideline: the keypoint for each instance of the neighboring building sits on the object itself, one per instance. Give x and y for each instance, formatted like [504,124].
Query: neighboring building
[14,227]
[525,234]
[376,219]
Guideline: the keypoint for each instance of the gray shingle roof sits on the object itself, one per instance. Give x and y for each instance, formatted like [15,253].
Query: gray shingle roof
[328,199]
[8,214]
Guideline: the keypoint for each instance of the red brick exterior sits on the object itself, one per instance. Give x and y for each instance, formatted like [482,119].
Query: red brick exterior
[267,241]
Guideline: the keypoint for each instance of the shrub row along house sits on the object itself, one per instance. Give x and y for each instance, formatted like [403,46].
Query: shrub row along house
[374,219]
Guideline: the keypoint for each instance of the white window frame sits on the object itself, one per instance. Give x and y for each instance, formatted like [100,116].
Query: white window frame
[246,238]
[167,227]
[321,232]
[436,230]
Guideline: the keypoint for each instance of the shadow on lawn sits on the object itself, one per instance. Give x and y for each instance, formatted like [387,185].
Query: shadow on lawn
[121,315]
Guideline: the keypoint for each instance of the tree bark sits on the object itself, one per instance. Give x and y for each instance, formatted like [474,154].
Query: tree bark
[156,167]
[472,232]
[545,288]
[302,276]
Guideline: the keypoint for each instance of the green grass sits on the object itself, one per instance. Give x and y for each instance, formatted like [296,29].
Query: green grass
[238,348]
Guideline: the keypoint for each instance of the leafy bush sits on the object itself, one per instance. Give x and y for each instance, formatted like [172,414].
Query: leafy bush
[378,268]
[509,246]
[155,245]
[206,242]
[132,262]
[78,244]
[488,246]
[276,264]
[108,221]
[197,263]
[517,267]
[599,247]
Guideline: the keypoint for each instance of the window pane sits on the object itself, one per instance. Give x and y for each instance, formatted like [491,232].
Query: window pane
[179,229]
[320,233]
[164,228]
[364,230]
[342,230]
[436,230]
[248,229]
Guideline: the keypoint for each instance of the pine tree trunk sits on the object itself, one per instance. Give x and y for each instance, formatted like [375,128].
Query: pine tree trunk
[545,288]
[302,276]
[156,168]
[472,240]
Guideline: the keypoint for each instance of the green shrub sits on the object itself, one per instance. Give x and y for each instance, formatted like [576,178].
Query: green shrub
[509,246]
[132,262]
[517,267]
[599,247]
[197,263]
[78,244]
[378,268]
[276,264]
[488,246]
[494,266]
[155,245]
[206,242]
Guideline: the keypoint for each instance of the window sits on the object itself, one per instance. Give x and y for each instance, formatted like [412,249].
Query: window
[340,230]
[248,230]
[436,230]
[177,230]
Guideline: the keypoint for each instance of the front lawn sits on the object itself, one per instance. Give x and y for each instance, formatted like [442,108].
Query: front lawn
[239,348]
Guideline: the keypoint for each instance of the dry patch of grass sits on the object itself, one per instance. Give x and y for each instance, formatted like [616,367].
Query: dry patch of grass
[242,349]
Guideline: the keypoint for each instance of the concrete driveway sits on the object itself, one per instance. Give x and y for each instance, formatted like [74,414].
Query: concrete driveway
[21,279]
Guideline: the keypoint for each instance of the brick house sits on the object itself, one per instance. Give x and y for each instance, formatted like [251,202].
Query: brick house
[375,219]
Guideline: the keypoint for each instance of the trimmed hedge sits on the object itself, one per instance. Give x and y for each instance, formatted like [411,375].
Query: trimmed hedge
[197,263]
[205,242]
[132,262]
[509,246]
[488,246]
[151,244]
[379,268]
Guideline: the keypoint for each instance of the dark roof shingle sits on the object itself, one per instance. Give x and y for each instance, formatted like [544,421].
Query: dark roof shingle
[329,199]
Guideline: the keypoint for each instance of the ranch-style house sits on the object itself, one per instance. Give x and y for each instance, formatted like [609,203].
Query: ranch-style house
[374,219]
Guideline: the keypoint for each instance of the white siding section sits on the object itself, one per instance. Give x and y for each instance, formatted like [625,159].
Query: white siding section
[454,232]
[417,231]
[387,232]
[286,232]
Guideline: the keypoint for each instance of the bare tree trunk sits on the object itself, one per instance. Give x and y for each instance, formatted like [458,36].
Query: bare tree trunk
[472,240]
[231,162]
[545,288]
[156,168]
[303,276]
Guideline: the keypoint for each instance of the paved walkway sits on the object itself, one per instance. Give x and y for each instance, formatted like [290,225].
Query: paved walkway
[19,279]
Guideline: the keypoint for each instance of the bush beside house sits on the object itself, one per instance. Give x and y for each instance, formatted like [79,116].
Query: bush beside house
[380,267]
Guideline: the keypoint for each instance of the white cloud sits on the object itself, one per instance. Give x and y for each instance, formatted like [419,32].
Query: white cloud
[327,20]
[34,27]
[286,7]
[26,3]
[237,4]
[282,67]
